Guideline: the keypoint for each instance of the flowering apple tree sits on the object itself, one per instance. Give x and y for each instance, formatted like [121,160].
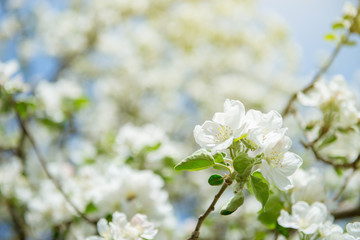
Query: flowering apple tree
[98,103]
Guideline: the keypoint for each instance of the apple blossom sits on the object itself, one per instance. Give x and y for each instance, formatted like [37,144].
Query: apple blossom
[120,229]
[353,229]
[218,134]
[279,164]
[305,218]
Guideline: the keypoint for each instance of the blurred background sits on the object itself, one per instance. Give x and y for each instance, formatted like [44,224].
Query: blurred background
[113,89]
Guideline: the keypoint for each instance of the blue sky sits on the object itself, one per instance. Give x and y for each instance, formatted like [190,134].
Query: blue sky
[309,21]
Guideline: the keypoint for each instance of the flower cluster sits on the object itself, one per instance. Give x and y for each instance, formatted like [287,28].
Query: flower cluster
[264,131]
[120,229]
[315,220]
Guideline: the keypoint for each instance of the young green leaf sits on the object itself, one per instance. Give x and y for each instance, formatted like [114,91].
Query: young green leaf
[243,164]
[90,208]
[219,158]
[328,140]
[330,37]
[271,211]
[260,187]
[234,203]
[199,160]
[215,180]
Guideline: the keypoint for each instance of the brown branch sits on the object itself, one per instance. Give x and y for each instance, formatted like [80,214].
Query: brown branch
[196,233]
[317,76]
[44,166]
[349,213]
[353,165]
[19,225]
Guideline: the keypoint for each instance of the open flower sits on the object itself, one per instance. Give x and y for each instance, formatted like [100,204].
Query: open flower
[120,229]
[353,229]
[218,134]
[259,124]
[305,218]
[278,164]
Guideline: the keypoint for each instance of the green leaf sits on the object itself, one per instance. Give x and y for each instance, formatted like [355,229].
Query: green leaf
[338,25]
[220,167]
[328,140]
[90,208]
[260,187]
[81,103]
[330,37]
[152,148]
[269,214]
[199,160]
[283,231]
[24,108]
[219,158]
[234,203]
[350,43]
[243,164]
[215,180]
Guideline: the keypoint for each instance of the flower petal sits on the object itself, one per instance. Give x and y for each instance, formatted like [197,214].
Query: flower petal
[290,163]
[274,175]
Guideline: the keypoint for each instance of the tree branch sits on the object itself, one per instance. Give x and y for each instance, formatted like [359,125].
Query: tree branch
[317,76]
[19,225]
[354,212]
[43,164]
[196,233]
[353,165]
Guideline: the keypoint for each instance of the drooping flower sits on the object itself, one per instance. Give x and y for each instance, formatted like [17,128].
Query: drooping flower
[278,164]
[304,218]
[218,134]
[120,229]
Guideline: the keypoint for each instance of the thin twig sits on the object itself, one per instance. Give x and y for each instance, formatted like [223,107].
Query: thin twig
[353,212]
[19,225]
[353,165]
[317,76]
[344,185]
[311,145]
[196,233]
[44,166]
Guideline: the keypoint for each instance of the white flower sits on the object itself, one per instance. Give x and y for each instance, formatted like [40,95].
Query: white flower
[120,229]
[305,218]
[259,124]
[328,229]
[336,97]
[52,96]
[353,229]
[305,184]
[219,133]
[279,164]
[9,79]
[340,236]
[349,9]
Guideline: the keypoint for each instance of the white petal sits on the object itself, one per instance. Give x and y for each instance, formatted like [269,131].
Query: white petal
[119,219]
[318,213]
[310,229]
[222,145]
[219,117]
[274,175]
[205,135]
[287,220]
[103,228]
[353,229]
[290,163]
[234,113]
[300,209]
